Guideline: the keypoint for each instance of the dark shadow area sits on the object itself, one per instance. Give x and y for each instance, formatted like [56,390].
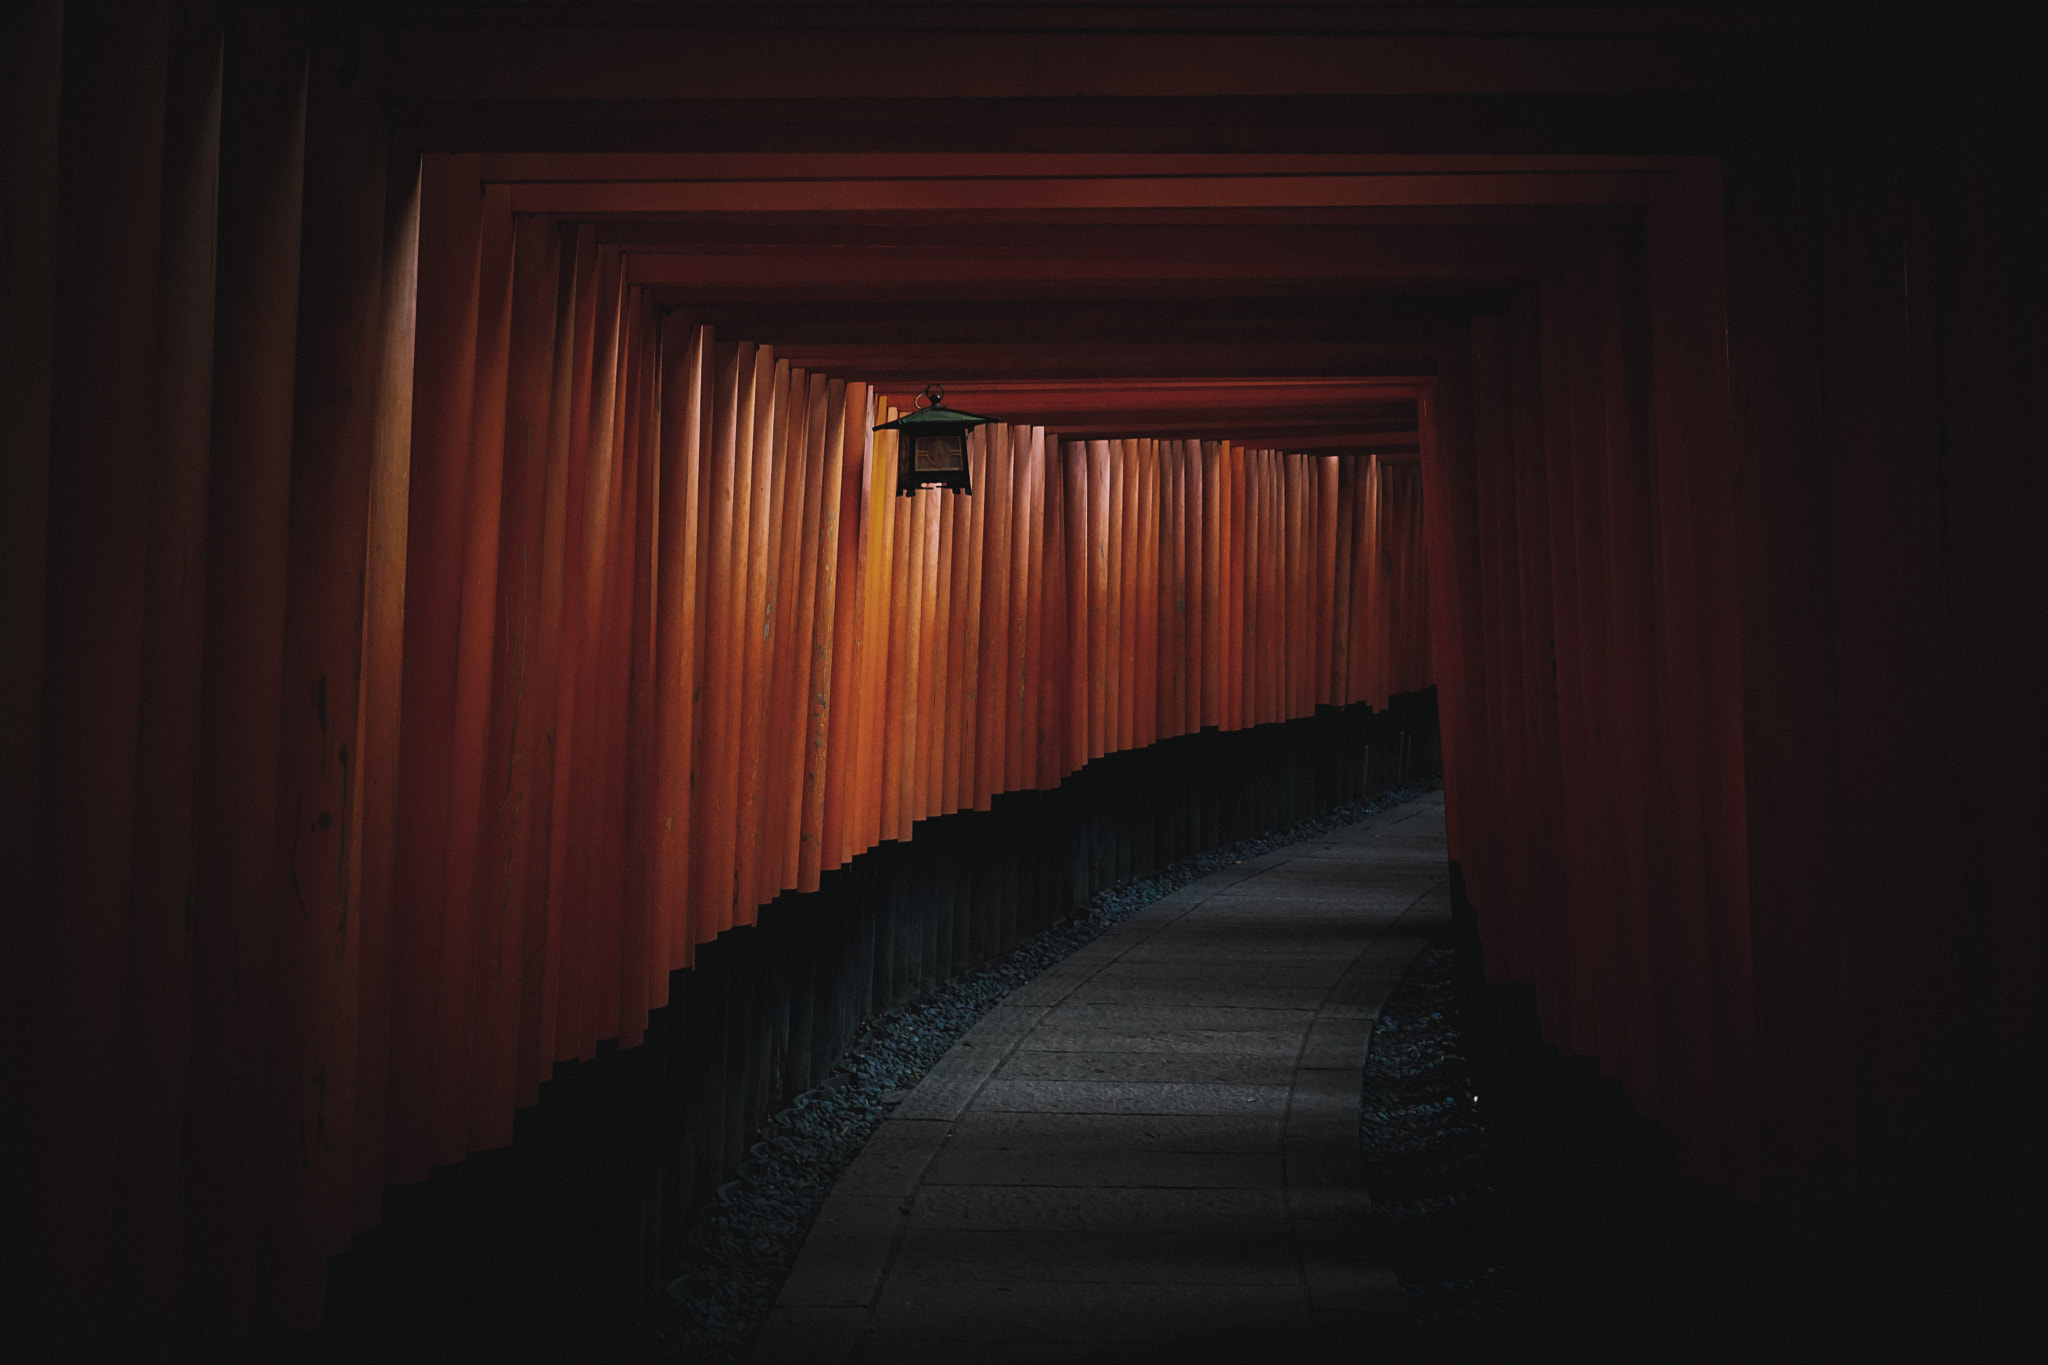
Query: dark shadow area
[1533,1216]
[526,1253]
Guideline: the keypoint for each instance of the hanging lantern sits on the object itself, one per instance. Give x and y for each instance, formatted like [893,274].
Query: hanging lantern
[931,445]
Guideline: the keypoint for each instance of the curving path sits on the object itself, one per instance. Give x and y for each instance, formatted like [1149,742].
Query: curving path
[1149,1151]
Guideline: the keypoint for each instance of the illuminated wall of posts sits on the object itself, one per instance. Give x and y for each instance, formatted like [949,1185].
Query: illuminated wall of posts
[672,644]
[847,662]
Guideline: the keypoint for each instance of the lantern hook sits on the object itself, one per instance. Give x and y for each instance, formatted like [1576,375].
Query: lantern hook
[934,393]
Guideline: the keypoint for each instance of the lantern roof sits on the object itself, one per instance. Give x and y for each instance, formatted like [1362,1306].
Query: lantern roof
[935,418]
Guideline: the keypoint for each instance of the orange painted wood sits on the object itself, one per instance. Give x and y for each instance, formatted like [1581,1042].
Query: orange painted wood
[562,965]
[1101,716]
[758,569]
[807,522]
[1075,530]
[892,701]
[445,381]
[991,743]
[908,682]
[1031,682]
[922,594]
[562,996]
[878,522]
[1213,596]
[717,719]
[1327,468]
[1313,643]
[777,698]
[1338,679]
[1000,611]
[1279,585]
[971,794]
[684,358]
[636,645]
[811,673]
[1200,594]
[1173,625]
[620,930]
[1145,598]
[594,861]
[960,605]
[1293,469]
[855,537]
[1029,559]
[1269,613]
[1252,629]
[1181,596]
[1165,628]
[883,610]
[375,811]
[1157,692]
[932,656]
[1126,482]
[1135,606]
[1365,547]
[1054,737]
[1372,595]
[1244,600]
[1230,490]
[850,407]
[470,884]
[1259,622]
[556,551]
[949,622]
[1216,534]
[521,678]
[916,512]
[1289,511]
[1255,660]
[1018,608]
[788,712]
[1267,654]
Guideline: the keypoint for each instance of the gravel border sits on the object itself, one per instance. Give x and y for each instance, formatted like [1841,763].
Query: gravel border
[1433,1188]
[743,1244]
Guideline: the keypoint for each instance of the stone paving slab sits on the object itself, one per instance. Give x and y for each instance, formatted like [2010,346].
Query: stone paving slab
[1043,1208]
[1124,1132]
[893,1160]
[1285,941]
[1280,1043]
[1256,995]
[1158,1068]
[1151,1150]
[883,1350]
[1336,1042]
[1329,874]
[892,1350]
[1131,1097]
[845,1252]
[1094,1165]
[1113,1257]
[1219,1017]
[1079,1311]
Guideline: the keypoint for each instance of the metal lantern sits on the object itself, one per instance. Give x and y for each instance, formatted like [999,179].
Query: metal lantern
[931,445]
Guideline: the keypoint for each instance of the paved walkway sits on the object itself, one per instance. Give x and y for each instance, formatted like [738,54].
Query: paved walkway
[1151,1150]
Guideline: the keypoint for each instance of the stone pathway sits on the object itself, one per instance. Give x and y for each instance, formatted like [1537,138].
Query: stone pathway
[1153,1144]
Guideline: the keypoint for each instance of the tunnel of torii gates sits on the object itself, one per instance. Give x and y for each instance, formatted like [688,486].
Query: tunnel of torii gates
[449,576]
